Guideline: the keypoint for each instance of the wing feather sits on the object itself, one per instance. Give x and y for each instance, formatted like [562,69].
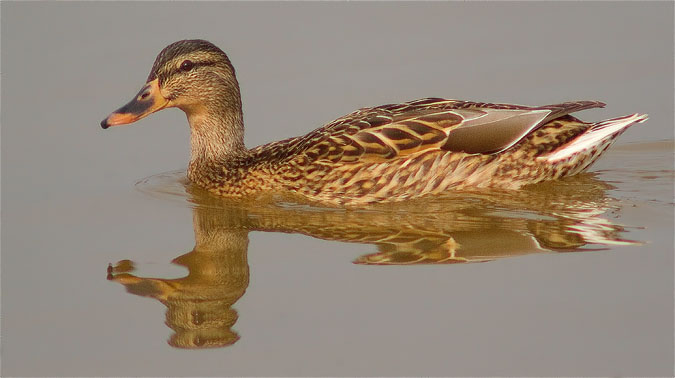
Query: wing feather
[398,130]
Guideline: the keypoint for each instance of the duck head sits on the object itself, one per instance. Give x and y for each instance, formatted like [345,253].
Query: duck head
[192,75]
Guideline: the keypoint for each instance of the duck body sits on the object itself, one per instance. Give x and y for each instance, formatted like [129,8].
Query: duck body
[386,153]
[395,152]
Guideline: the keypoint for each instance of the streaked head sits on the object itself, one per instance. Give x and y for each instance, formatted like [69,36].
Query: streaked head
[193,75]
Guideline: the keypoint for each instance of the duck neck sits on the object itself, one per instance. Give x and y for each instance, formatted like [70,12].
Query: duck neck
[216,135]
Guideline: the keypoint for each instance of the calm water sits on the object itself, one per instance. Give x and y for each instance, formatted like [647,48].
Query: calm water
[591,213]
[573,274]
[111,268]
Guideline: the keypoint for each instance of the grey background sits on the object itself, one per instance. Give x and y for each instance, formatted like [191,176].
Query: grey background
[69,207]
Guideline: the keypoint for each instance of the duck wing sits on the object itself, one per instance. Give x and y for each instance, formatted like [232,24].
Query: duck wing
[397,130]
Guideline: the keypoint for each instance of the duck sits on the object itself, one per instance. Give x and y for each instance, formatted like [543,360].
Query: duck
[378,154]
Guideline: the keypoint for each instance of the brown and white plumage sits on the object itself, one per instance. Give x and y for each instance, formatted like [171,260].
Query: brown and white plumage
[385,153]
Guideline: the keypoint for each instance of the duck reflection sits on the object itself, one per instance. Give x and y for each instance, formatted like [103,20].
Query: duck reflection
[199,305]
[563,216]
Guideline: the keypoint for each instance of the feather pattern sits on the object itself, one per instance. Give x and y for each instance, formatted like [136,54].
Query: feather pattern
[385,153]
[398,151]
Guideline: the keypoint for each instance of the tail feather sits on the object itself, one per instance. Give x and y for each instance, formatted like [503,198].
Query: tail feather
[594,141]
[559,110]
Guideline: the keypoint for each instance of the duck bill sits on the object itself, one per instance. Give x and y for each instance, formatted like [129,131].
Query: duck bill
[146,102]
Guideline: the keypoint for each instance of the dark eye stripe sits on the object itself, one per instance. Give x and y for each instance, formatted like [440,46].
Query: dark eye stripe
[162,76]
[194,65]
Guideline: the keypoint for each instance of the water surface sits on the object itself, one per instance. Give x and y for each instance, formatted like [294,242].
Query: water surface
[584,213]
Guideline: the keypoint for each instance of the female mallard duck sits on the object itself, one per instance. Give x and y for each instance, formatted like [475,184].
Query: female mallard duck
[386,153]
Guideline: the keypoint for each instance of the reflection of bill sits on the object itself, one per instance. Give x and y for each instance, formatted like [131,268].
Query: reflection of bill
[199,306]
[568,215]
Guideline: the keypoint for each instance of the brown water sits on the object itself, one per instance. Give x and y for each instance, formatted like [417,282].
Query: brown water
[103,274]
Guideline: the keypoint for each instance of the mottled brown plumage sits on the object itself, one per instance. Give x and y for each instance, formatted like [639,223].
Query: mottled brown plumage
[386,153]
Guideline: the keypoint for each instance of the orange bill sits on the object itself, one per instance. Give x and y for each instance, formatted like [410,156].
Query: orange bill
[147,101]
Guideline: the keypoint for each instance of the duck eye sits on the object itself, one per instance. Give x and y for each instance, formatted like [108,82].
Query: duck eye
[186,65]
